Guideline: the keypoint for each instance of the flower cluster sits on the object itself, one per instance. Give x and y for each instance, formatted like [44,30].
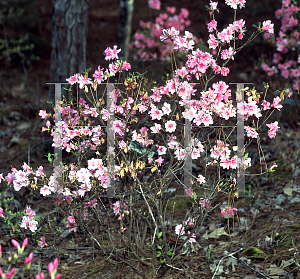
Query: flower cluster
[42,243]
[52,267]
[148,41]
[286,60]
[273,127]
[204,202]
[228,210]
[234,3]
[28,220]
[179,230]
[154,4]
[120,208]
[71,224]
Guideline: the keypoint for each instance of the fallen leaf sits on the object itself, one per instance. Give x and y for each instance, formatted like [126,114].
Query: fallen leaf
[217,233]
[233,262]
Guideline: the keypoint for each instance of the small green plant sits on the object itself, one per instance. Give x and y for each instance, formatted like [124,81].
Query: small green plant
[15,47]
[160,253]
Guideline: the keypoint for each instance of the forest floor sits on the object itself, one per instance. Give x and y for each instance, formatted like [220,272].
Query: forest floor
[268,219]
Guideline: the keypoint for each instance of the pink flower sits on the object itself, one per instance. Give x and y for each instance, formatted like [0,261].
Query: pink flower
[1,212]
[52,267]
[204,202]
[266,105]
[192,238]
[226,53]
[228,210]
[213,5]
[166,108]
[171,10]
[233,3]
[276,103]
[189,191]
[126,66]
[154,4]
[73,79]
[111,54]
[42,242]
[224,71]
[98,75]
[43,114]
[189,221]
[71,224]
[212,26]
[156,114]
[10,274]
[10,178]
[207,120]
[41,276]
[268,26]
[29,212]
[273,128]
[15,243]
[29,259]
[39,172]
[225,162]
[161,150]
[251,133]
[170,126]
[159,161]
[179,230]
[45,191]
[142,108]
[83,81]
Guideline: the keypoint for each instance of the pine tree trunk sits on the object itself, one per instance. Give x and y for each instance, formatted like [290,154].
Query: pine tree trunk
[125,26]
[69,40]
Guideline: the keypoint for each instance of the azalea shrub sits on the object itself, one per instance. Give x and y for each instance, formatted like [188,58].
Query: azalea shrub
[147,45]
[148,159]
[285,64]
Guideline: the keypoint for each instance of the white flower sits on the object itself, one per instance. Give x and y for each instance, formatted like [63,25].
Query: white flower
[201,179]
[179,230]
[166,108]
[156,128]
[170,126]
[45,191]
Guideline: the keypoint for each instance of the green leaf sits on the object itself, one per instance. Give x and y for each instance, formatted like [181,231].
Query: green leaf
[159,234]
[140,149]
[170,253]
[159,247]
[158,254]
[246,155]
[266,85]
[254,25]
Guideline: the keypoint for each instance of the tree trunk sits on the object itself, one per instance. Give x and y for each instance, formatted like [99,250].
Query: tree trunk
[69,40]
[125,26]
